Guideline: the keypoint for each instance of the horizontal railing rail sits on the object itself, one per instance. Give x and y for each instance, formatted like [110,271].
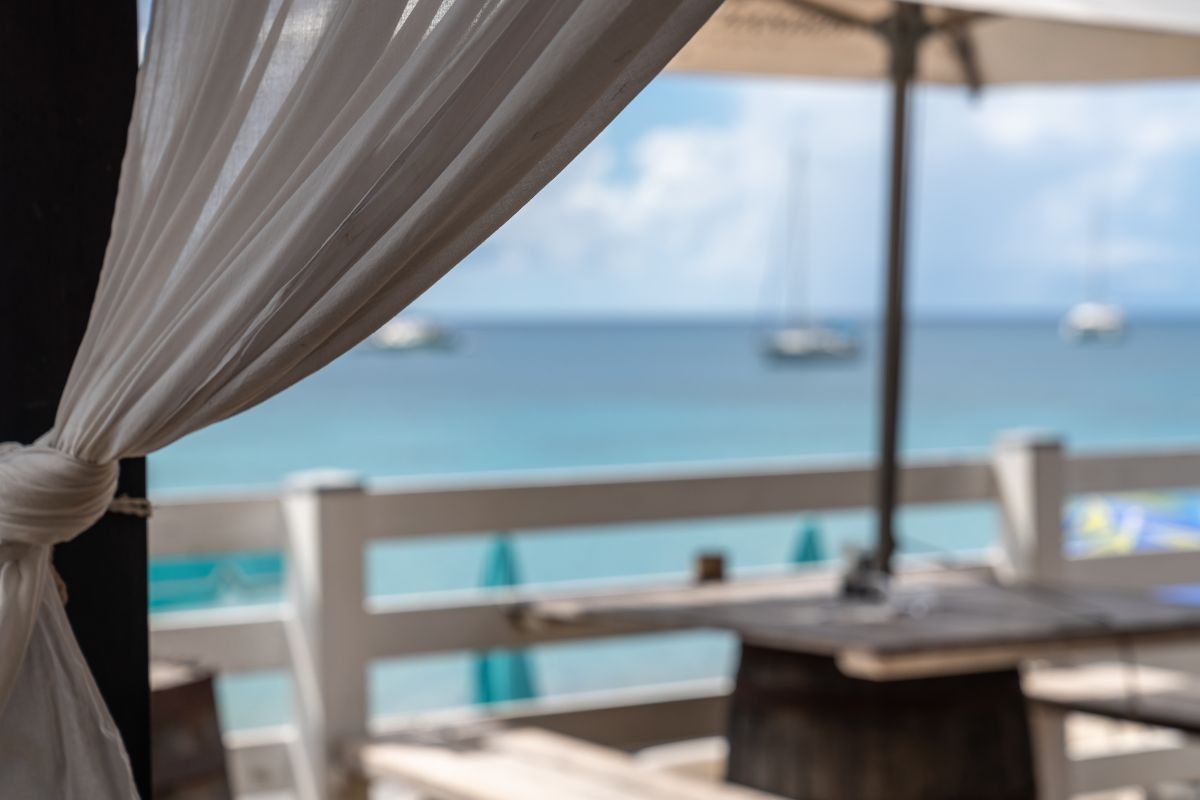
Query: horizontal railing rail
[539,500]
[571,498]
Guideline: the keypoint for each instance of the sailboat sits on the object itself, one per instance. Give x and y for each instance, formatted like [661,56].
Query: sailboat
[1095,319]
[801,337]
[809,341]
[411,333]
[1090,321]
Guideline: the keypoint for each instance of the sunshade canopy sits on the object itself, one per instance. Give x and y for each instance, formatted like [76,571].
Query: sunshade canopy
[972,42]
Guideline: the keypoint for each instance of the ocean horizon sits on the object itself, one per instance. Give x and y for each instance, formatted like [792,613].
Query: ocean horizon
[546,393]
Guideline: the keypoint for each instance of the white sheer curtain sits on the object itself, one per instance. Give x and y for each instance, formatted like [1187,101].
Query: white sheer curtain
[296,173]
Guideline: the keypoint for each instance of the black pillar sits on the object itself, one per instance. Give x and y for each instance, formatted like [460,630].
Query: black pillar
[904,31]
[67,74]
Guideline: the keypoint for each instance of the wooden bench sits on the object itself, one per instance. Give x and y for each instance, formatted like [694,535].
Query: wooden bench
[1133,693]
[532,764]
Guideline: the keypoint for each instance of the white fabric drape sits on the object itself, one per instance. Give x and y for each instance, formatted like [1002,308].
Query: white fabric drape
[296,173]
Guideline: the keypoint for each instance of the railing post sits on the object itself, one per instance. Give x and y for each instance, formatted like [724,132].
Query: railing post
[1031,489]
[325,514]
[1051,761]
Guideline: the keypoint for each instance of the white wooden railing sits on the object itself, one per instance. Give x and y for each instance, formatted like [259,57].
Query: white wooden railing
[327,633]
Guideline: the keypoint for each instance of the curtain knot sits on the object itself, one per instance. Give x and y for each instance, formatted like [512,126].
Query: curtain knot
[48,496]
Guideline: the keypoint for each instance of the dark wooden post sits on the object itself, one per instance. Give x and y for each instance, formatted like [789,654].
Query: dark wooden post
[67,73]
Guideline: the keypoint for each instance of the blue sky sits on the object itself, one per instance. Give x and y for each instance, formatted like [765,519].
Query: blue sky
[677,209]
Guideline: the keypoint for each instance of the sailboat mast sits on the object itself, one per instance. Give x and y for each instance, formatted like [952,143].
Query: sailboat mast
[1097,257]
[793,288]
[799,302]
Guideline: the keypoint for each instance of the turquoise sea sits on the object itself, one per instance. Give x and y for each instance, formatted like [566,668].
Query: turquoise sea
[520,396]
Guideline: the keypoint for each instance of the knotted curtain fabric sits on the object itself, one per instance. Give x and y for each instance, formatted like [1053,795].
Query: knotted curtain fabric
[296,173]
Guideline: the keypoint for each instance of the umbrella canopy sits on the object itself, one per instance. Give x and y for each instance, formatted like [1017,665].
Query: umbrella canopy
[971,42]
[967,42]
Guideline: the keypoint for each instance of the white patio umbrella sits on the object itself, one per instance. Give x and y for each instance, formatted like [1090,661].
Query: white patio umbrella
[969,42]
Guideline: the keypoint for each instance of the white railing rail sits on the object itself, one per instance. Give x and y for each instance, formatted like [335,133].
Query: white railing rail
[327,633]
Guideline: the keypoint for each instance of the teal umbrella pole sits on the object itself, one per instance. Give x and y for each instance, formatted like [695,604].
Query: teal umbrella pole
[809,548]
[502,676]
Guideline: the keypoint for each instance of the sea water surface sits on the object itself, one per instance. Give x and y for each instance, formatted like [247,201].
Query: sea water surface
[553,395]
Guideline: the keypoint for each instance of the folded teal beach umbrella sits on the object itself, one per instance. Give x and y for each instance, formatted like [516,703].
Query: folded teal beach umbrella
[502,675]
[809,548]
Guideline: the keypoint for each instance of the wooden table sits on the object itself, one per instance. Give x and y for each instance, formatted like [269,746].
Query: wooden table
[918,699]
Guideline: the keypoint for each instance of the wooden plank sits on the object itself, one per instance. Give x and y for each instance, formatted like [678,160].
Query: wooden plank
[624,718]
[1132,692]
[613,766]
[440,773]
[654,608]
[903,666]
[806,604]
[1029,481]
[1134,570]
[629,718]
[490,623]
[535,501]
[1178,711]
[227,639]
[404,627]
[400,627]
[252,637]
[1132,472]
[925,629]
[1051,758]
[1183,657]
[529,764]
[563,498]
[327,639]
[201,526]
[703,757]
[1143,768]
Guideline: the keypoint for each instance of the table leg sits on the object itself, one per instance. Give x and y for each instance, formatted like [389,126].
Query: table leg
[801,729]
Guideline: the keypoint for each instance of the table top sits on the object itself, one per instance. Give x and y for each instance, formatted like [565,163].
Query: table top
[929,626]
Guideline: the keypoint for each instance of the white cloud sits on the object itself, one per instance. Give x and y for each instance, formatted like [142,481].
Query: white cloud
[687,217]
[1110,193]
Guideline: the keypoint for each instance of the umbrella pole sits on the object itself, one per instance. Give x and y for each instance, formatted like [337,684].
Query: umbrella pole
[904,34]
